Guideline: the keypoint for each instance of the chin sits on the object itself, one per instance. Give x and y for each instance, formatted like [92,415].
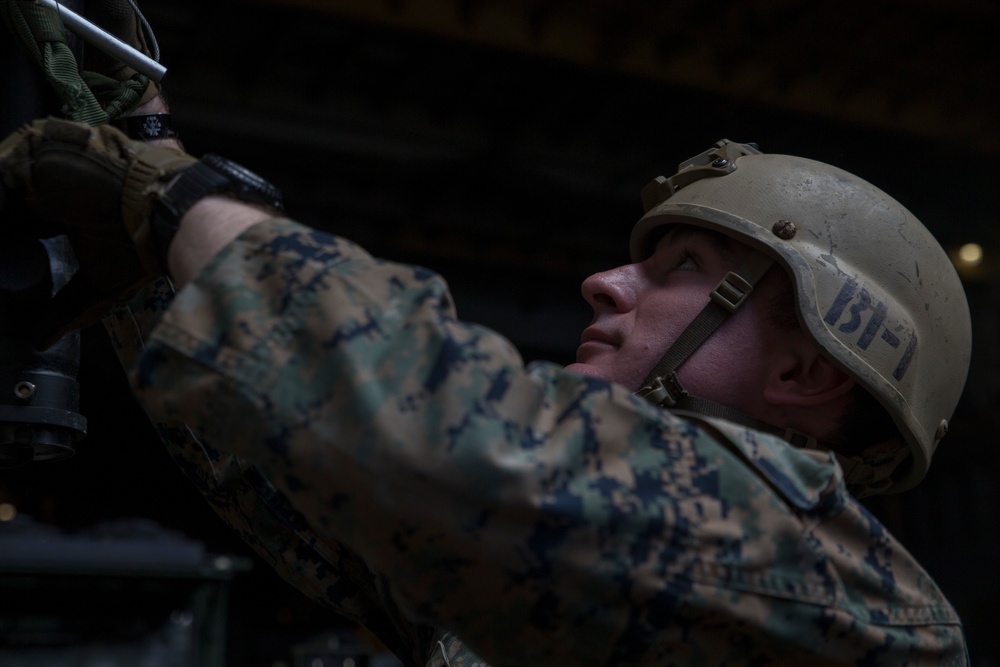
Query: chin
[596,372]
[588,370]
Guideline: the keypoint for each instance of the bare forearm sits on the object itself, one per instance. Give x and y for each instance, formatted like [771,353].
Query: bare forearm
[208,226]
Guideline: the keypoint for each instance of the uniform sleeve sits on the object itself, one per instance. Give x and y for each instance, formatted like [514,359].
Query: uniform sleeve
[418,441]
[540,516]
[240,494]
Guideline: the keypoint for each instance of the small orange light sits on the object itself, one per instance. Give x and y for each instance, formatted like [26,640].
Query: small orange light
[970,255]
[7,512]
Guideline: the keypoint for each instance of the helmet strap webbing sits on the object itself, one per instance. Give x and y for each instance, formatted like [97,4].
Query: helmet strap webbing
[662,386]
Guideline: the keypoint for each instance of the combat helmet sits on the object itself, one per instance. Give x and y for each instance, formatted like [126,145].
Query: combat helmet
[872,287]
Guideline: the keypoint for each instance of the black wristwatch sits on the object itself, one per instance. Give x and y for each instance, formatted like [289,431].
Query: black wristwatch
[211,175]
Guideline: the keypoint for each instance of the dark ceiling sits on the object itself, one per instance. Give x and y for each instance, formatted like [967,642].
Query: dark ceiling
[925,68]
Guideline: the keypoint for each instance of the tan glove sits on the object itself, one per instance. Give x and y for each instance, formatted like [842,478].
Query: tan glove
[97,187]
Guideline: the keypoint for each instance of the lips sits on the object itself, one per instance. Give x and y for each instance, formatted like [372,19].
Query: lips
[597,355]
[595,335]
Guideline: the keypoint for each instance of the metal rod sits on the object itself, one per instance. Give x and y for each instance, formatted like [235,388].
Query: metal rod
[107,42]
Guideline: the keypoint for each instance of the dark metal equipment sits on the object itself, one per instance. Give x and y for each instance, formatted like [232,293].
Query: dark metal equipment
[123,593]
[39,394]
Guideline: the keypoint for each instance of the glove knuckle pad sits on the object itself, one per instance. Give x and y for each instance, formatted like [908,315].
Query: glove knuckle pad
[66,132]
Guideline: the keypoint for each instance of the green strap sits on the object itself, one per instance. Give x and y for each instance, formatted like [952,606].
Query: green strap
[43,36]
[87,97]
[118,98]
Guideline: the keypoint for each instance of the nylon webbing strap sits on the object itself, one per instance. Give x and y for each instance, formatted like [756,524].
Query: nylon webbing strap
[43,36]
[87,97]
[661,383]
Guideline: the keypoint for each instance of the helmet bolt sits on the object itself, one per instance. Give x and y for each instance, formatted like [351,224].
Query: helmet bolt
[720,162]
[942,430]
[784,229]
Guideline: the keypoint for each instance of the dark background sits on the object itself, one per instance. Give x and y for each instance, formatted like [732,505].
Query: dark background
[504,143]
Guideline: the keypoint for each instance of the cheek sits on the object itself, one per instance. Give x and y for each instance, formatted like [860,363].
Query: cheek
[732,361]
[663,320]
[661,324]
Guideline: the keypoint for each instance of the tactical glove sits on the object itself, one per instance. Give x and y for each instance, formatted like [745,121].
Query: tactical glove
[97,187]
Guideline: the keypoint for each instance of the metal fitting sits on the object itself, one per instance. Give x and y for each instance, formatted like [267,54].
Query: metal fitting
[784,229]
[24,391]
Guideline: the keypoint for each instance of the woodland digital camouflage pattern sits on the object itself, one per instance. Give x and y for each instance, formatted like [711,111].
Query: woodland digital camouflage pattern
[407,470]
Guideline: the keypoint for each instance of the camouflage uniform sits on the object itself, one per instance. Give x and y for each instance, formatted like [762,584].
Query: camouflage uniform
[408,470]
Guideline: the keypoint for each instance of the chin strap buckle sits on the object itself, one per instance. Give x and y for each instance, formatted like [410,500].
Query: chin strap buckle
[666,391]
[732,291]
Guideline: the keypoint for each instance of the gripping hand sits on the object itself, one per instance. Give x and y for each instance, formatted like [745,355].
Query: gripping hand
[98,188]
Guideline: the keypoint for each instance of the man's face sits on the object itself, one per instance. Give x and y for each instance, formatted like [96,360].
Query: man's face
[641,308]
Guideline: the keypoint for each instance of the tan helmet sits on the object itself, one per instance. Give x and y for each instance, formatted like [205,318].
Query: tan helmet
[873,287]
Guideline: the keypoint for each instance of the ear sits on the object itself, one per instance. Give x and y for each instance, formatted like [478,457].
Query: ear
[802,376]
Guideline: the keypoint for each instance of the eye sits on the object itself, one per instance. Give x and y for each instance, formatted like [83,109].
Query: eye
[688,263]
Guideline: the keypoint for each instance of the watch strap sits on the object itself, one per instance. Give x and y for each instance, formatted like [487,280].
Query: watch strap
[195,183]
[210,175]
[152,168]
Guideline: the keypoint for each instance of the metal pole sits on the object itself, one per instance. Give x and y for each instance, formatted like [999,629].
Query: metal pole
[105,41]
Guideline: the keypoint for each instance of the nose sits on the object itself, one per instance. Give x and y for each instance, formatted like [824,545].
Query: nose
[613,290]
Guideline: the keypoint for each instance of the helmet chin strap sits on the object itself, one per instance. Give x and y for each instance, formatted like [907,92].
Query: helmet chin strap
[662,387]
